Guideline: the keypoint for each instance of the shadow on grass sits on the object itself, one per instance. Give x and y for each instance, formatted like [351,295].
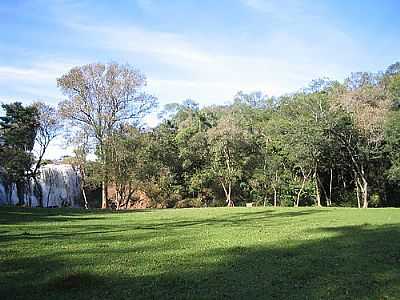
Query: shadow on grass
[356,262]
[72,228]
[14,215]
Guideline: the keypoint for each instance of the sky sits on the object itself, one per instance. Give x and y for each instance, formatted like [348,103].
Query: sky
[205,50]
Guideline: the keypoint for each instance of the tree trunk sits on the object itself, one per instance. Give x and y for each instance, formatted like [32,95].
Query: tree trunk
[300,192]
[317,193]
[358,192]
[364,188]
[104,183]
[104,195]
[230,201]
[274,187]
[84,198]
[118,196]
[365,193]
[83,176]
[329,203]
[228,192]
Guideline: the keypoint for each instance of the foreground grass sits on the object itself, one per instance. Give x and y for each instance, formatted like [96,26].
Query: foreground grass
[200,254]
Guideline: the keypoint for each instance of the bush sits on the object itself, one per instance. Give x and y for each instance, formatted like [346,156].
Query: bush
[374,200]
[189,202]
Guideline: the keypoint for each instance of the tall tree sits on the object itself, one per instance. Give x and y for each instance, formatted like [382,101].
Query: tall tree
[229,146]
[100,98]
[365,99]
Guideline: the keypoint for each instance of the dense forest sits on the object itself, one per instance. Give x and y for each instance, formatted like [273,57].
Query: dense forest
[329,144]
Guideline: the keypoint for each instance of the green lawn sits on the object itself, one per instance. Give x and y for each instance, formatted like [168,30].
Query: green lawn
[236,253]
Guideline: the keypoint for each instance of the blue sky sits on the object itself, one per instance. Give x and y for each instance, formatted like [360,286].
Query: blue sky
[206,50]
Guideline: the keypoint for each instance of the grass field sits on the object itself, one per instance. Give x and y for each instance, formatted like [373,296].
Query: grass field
[239,253]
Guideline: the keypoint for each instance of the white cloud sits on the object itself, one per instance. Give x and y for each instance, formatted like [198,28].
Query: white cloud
[35,81]
[180,67]
[284,10]
[199,72]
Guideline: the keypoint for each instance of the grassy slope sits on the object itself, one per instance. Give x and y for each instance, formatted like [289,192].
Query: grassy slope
[200,253]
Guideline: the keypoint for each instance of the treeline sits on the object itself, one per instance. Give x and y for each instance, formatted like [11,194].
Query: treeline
[331,144]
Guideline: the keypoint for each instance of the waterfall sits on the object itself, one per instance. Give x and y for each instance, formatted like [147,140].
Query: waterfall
[60,185]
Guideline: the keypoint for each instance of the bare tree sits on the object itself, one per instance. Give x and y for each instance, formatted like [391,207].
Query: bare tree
[100,97]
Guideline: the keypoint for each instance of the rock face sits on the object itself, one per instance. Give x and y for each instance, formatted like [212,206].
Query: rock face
[58,186]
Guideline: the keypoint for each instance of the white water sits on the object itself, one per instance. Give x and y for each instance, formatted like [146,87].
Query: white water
[60,186]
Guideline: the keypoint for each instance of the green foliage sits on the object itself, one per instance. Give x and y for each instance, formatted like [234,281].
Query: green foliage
[330,144]
[18,129]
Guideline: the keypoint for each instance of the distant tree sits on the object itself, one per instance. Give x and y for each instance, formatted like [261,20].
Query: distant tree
[229,146]
[125,163]
[364,98]
[100,98]
[254,99]
[392,123]
[392,138]
[194,149]
[393,69]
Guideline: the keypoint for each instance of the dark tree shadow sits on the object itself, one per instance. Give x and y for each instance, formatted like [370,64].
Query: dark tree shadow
[15,215]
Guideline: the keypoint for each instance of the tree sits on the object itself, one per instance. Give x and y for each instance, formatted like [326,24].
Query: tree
[49,127]
[100,98]
[193,148]
[366,101]
[18,130]
[255,100]
[125,162]
[228,151]
[79,161]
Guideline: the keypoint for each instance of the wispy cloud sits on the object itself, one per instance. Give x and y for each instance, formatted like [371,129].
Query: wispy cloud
[36,81]
[208,74]
[35,73]
[284,10]
[180,67]
[279,47]
[268,6]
